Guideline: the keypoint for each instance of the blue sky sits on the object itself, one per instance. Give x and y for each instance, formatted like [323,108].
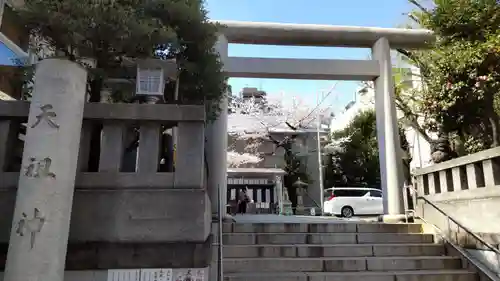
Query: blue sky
[386,13]
[334,12]
[6,55]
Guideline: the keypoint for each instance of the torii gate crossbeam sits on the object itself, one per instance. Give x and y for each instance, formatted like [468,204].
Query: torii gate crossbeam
[378,70]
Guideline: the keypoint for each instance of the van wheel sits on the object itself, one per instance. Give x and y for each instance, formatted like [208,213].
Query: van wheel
[347,212]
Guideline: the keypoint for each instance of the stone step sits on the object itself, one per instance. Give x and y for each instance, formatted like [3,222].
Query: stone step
[342,227]
[339,250]
[421,275]
[324,238]
[340,264]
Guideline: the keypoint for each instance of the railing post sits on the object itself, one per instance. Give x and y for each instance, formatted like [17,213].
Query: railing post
[432,183]
[112,147]
[83,154]
[443,181]
[491,171]
[189,162]
[459,178]
[420,184]
[471,176]
[8,135]
[149,148]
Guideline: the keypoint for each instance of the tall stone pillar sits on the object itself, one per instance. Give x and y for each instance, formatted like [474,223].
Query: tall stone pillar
[217,146]
[279,190]
[391,166]
[39,235]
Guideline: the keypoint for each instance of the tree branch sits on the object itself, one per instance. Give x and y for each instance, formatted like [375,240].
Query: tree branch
[412,118]
[274,140]
[419,6]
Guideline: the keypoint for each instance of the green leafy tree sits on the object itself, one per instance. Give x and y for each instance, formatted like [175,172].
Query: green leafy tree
[407,98]
[460,73]
[355,159]
[113,33]
[356,162]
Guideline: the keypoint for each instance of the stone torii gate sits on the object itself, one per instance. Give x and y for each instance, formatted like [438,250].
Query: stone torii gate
[378,70]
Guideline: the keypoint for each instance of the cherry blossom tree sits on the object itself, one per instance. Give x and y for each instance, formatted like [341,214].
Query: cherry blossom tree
[236,159]
[253,121]
[257,121]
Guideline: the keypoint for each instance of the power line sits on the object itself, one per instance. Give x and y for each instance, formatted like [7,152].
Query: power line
[319,103]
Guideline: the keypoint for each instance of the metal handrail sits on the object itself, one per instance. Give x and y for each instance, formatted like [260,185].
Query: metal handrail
[484,267]
[220,274]
[467,230]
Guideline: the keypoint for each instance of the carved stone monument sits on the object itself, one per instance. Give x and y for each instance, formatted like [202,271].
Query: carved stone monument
[39,235]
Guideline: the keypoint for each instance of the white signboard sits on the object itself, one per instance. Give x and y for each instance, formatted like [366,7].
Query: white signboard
[124,275]
[238,181]
[147,274]
[156,274]
[189,274]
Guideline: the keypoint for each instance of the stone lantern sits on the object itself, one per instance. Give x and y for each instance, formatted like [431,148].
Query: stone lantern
[152,75]
[300,186]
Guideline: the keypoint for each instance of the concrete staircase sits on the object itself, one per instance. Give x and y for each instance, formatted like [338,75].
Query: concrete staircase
[343,251]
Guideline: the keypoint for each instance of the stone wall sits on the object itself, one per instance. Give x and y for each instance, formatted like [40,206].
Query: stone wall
[102,275]
[467,189]
[124,220]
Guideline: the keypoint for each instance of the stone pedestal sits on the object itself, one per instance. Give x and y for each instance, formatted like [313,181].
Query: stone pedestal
[300,201]
[39,235]
[287,205]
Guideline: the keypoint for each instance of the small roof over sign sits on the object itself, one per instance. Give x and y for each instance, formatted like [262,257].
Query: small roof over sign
[255,171]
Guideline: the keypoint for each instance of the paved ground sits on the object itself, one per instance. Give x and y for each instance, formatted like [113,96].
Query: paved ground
[267,218]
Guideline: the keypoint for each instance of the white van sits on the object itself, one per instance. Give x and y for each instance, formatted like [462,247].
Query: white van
[350,201]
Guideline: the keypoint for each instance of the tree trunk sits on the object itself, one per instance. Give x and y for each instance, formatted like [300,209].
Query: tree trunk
[414,124]
[494,122]
[460,144]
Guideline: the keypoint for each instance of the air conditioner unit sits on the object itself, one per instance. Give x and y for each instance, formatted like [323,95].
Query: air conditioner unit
[150,81]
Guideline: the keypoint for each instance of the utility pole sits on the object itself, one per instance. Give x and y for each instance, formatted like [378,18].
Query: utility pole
[320,164]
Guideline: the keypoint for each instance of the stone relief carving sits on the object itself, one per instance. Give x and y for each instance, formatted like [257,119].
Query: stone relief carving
[39,168]
[47,115]
[30,225]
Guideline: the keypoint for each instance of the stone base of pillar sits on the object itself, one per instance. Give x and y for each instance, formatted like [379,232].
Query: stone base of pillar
[395,218]
[102,255]
[225,218]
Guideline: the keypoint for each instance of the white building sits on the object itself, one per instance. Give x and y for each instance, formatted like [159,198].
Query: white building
[420,149]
